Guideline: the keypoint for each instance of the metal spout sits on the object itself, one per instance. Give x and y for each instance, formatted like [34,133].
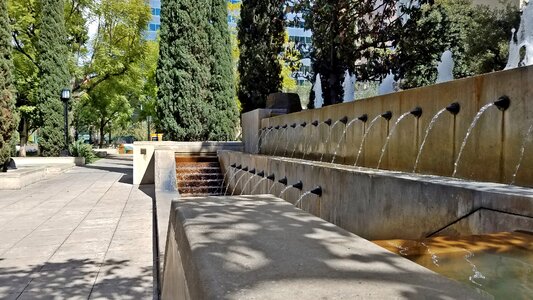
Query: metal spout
[344,120]
[328,122]
[299,185]
[293,125]
[503,103]
[387,115]
[270,128]
[277,127]
[285,126]
[245,169]
[417,112]
[454,108]
[283,180]
[315,123]
[363,118]
[233,165]
[238,167]
[252,171]
[271,177]
[317,191]
[261,174]
[303,124]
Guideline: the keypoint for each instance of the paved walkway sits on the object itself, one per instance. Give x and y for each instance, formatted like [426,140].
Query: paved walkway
[84,234]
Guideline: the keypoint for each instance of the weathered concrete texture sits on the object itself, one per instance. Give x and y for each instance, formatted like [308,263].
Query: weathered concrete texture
[260,247]
[86,233]
[28,174]
[144,162]
[251,124]
[491,154]
[376,204]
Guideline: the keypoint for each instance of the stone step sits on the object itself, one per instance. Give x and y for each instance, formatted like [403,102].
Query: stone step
[197,165]
[199,195]
[199,176]
[197,170]
[200,183]
[196,190]
[196,159]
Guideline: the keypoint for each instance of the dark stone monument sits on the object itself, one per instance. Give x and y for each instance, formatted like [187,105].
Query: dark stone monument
[288,101]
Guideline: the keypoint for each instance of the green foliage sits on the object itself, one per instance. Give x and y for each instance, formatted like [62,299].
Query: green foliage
[80,149]
[53,75]
[8,119]
[224,115]
[194,75]
[261,37]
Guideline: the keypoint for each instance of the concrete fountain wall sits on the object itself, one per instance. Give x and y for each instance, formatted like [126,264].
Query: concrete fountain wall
[379,205]
[491,154]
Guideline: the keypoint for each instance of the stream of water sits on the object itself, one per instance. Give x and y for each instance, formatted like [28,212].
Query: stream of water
[428,130]
[389,136]
[364,139]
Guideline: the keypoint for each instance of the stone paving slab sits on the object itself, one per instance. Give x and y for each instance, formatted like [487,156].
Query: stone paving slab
[84,234]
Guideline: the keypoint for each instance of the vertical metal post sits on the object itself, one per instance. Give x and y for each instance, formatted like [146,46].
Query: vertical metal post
[66,123]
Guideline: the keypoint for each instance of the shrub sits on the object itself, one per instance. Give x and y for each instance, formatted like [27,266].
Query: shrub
[80,149]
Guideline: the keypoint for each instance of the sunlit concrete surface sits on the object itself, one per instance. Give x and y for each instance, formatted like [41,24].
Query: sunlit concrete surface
[86,233]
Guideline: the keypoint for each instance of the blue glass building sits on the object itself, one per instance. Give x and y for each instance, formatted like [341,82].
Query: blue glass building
[155,23]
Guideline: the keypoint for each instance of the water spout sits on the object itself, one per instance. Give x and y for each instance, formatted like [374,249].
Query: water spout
[503,103]
[417,112]
[283,180]
[328,122]
[454,108]
[233,165]
[317,191]
[303,124]
[294,125]
[261,174]
[344,120]
[299,185]
[277,127]
[387,115]
[315,123]
[245,169]
[285,126]
[252,171]
[238,167]
[271,177]
[363,118]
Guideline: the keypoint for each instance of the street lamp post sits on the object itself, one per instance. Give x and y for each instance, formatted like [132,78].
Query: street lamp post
[65,97]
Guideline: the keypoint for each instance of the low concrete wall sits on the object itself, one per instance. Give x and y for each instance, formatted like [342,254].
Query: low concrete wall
[491,154]
[48,161]
[144,162]
[376,204]
[30,173]
[261,247]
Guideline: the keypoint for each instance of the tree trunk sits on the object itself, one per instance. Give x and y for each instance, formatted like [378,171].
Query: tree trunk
[23,136]
[109,136]
[102,133]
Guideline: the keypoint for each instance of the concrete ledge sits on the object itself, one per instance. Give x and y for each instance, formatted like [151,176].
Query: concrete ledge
[48,161]
[374,204]
[260,247]
[26,175]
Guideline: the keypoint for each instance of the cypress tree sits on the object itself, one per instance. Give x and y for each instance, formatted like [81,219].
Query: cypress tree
[261,36]
[183,71]
[7,100]
[54,76]
[224,116]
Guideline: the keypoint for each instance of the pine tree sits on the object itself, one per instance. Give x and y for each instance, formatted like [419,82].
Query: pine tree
[54,76]
[183,73]
[224,116]
[261,37]
[7,99]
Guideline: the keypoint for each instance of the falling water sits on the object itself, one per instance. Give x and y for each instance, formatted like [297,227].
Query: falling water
[434,257]
[257,185]
[330,132]
[265,138]
[247,182]
[477,274]
[428,130]
[388,84]
[284,190]
[301,198]
[522,151]
[259,140]
[237,183]
[390,135]
[297,142]
[514,52]
[281,131]
[224,178]
[229,182]
[342,138]
[349,87]
[445,67]
[476,119]
[271,188]
[364,138]
[288,141]
[305,142]
[317,88]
